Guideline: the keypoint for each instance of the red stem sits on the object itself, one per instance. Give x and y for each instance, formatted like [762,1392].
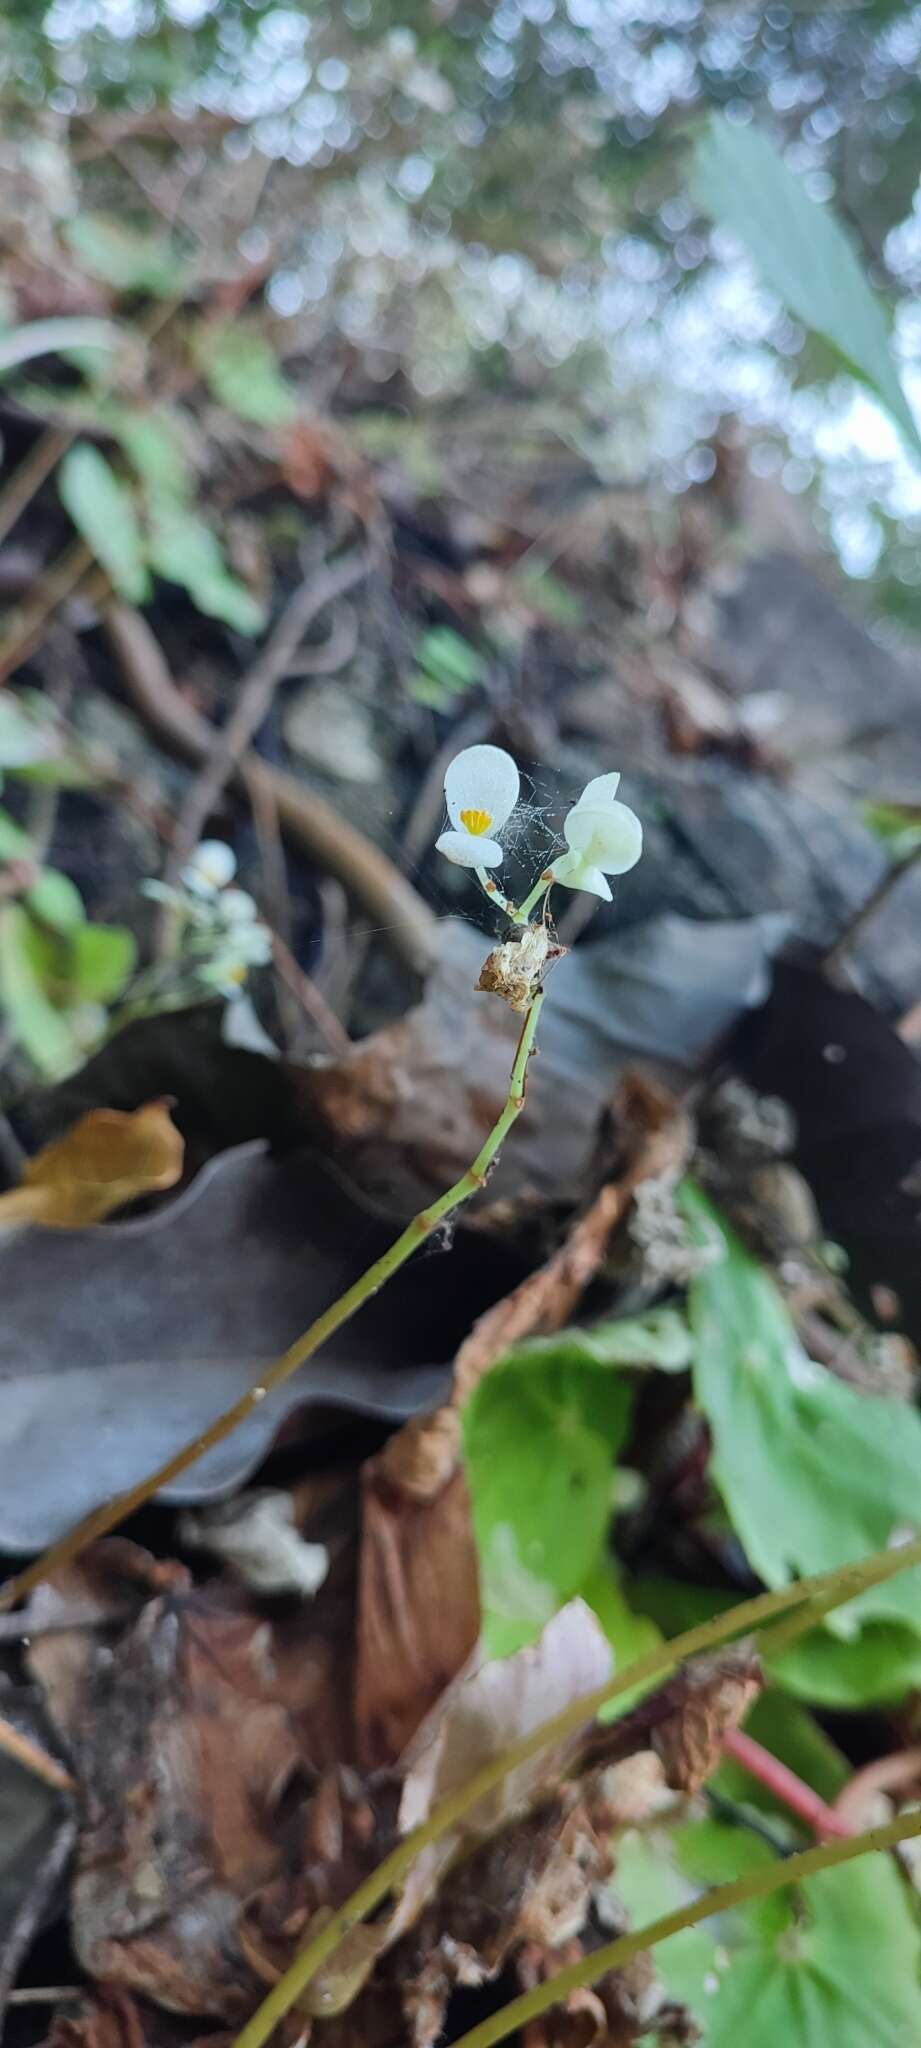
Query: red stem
[785,1785]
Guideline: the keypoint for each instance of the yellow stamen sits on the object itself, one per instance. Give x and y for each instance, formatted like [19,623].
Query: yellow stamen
[476,822]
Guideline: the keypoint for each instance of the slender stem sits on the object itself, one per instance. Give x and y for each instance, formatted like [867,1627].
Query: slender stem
[833,1587]
[114,1511]
[541,887]
[784,1785]
[757,1884]
[496,895]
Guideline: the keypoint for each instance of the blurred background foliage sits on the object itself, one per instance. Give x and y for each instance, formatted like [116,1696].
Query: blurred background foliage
[446,198]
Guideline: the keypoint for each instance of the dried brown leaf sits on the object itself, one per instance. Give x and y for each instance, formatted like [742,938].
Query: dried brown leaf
[107,1159]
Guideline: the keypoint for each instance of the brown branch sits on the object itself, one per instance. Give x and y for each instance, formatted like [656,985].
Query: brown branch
[30,475]
[364,871]
[228,747]
[35,1759]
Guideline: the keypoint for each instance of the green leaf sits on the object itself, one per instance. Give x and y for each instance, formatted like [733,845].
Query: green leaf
[803,254]
[813,1474]
[877,1669]
[24,738]
[541,1433]
[660,1338]
[448,658]
[103,512]
[881,1665]
[54,899]
[15,844]
[103,957]
[129,258]
[35,1023]
[834,1965]
[240,367]
[185,551]
[897,825]
[153,444]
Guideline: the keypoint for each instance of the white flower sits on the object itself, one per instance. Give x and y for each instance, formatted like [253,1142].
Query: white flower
[604,838]
[210,869]
[237,907]
[481,791]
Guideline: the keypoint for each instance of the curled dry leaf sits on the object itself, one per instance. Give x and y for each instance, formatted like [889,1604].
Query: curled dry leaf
[107,1159]
[209,1716]
[478,1716]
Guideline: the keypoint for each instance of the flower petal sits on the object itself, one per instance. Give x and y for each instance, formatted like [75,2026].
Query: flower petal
[601,790]
[611,838]
[468,851]
[482,779]
[575,873]
[211,867]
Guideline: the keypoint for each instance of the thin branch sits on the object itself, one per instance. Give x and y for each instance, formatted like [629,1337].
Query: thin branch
[757,1884]
[825,1592]
[861,917]
[305,817]
[30,475]
[312,1002]
[35,1759]
[228,748]
[114,1511]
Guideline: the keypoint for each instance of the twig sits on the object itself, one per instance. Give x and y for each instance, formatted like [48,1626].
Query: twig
[307,994]
[421,1227]
[756,1884]
[31,1905]
[829,1590]
[858,921]
[31,474]
[886,1774]
[785,1786]
[35,1759]
[61,580]
[259,685]
[367,874]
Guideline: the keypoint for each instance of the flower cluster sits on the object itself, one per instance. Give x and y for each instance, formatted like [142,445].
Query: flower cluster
[221,934]
[603,837]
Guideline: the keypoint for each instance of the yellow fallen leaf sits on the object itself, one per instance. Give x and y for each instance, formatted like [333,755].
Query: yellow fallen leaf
[107,1159]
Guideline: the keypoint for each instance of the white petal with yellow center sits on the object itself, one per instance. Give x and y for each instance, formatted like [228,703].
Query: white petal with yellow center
[482,781]
[469,850]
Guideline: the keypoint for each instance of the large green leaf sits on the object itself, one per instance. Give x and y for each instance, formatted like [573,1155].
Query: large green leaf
[813,1474]
[541,1433]
[103,512]
[833,1965]
[240,366]
[803,254]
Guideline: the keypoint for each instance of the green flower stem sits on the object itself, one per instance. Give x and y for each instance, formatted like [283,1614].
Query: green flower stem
[114,1511]
[497,896]
[543,883]
[834,1588]
[757,1884]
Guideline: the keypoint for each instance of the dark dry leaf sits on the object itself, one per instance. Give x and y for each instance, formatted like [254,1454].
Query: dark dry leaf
[119,1343]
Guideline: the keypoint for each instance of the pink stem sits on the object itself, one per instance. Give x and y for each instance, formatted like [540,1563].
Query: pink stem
[785,1785]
